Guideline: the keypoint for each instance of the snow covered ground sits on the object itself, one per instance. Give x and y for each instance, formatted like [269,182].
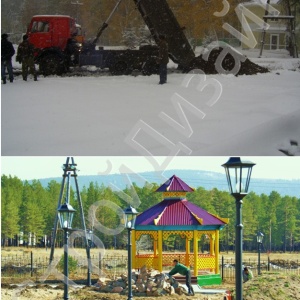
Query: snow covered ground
[132,115]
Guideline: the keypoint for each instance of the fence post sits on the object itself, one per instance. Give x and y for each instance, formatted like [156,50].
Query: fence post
[222,267]
[99,263]
[268,263]
[31,262]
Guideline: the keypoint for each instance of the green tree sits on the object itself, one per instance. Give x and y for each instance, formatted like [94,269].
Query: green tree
[9,216]
[32,220]
[271,207]
[250,219]
[53,192]
[286,216]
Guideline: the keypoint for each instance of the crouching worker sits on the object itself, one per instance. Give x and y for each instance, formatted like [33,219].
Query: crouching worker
[247,274]
[25,56]
[183,270]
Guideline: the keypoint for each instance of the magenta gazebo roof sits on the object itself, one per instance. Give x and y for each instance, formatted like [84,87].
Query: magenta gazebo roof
[174,184]
[177,212]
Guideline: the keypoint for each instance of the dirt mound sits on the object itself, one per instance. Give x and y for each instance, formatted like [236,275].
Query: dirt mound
[233,63]
[272,286]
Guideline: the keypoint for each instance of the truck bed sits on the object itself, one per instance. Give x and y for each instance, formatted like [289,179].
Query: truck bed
[160,20]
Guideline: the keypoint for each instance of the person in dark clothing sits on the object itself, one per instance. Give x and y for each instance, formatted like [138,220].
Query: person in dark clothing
[247,274]
[163,59]
[7,52]
[25,56]
[183,270]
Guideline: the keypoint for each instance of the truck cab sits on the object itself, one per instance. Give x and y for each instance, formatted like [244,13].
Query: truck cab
[54,38]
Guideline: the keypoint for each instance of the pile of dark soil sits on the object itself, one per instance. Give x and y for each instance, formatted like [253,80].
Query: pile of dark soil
[208,66]
[289,264]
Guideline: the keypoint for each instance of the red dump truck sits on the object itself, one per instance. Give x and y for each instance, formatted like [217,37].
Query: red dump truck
[58,44]
[56,39]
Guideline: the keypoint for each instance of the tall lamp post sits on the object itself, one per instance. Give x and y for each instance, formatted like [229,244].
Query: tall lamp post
[259,237]
[65,215]
[129,219]
[238,175]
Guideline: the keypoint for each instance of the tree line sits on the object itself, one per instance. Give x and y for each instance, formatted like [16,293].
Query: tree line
[30,208]
[197,17]
[202,20]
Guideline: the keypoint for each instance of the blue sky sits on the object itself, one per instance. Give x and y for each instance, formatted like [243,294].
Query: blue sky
[37,167]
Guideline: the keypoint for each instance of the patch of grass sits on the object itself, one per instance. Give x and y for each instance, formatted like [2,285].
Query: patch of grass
[280,292]
[295,277]
[270,279]
[253,288]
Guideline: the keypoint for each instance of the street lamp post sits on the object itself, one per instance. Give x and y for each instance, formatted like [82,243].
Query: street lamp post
[259,237]
[89,234]
[129,219]
[238,175]
[65,215]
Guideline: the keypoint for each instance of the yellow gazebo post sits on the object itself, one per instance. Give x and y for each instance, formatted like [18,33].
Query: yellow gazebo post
[133,253]
[217,252]
[187,251]
[160,250]
[212,244]
[195,252]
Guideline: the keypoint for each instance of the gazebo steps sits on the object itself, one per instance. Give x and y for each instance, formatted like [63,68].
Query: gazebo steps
[202,280]
[209,279]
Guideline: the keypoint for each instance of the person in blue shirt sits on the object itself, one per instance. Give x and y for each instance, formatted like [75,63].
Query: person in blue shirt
[185,271]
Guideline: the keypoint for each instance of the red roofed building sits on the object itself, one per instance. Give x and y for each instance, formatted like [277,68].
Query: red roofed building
[175,215]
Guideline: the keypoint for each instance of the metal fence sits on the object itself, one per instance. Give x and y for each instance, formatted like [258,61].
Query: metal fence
[30,265]
[227,267]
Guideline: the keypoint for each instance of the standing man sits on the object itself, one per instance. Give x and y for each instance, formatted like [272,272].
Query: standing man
[163,59]
[25,56]
[183,270]
[7,52]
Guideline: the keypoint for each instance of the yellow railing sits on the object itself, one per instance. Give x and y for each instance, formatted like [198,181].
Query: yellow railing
[205,261]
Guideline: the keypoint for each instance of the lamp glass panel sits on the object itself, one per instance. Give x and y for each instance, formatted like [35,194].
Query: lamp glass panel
[238,178]
[89,234]
[65,219]
[260,237]
[129,220]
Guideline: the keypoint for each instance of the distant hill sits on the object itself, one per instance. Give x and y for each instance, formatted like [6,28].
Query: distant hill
[205,179]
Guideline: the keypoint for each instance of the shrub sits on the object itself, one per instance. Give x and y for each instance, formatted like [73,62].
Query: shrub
[72,264]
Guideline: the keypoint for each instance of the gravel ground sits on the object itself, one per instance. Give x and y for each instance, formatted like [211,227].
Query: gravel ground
[265,287]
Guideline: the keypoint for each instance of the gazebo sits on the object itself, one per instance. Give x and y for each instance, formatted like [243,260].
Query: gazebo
[175,215]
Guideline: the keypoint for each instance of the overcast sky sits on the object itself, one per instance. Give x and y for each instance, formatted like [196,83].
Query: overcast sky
[26,167]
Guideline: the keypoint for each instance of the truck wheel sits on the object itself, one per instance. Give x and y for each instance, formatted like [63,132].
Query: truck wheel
[52,65]
[119,68]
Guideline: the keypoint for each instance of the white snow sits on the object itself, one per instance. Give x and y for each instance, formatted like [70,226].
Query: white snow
[128,115]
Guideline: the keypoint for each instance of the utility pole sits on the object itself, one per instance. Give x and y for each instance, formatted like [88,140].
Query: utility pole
[77,3]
